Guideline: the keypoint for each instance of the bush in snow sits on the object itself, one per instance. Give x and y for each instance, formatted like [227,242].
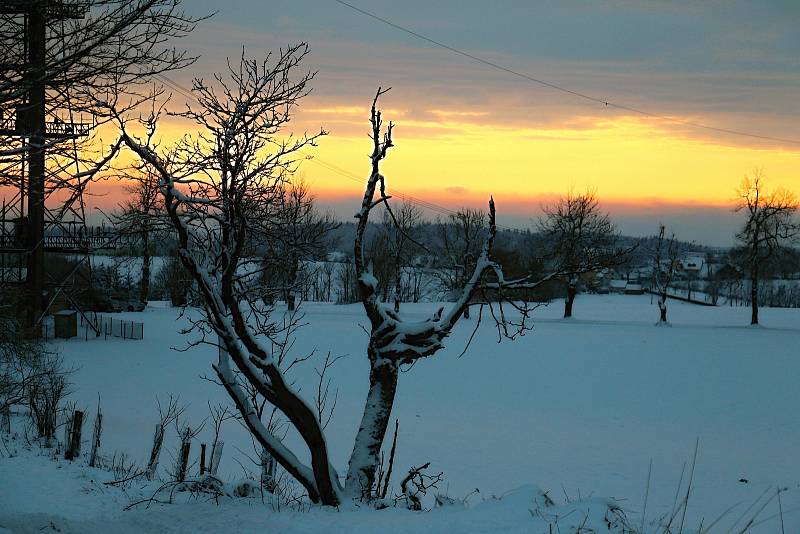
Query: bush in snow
[32,375]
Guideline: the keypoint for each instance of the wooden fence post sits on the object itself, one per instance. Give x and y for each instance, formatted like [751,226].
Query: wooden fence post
[67,430]
[158,440]
[73,450]
[216,454]
[184,458]
[98,427]
[202,458]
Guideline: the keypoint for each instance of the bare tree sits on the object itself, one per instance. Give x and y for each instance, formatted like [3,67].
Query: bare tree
[140,218]
[222,191]
[400,231]
[459,242]
[394,342]
[298,234]
[665,260]
[579,239]
[769,224]
[346,286]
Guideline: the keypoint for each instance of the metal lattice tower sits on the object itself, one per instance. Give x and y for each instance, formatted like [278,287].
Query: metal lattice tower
[30,227]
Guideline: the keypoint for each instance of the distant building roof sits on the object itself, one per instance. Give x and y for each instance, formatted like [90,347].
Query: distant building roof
[693,262]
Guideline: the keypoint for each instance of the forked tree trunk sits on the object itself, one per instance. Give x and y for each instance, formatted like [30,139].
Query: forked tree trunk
[662,306]
[377,410]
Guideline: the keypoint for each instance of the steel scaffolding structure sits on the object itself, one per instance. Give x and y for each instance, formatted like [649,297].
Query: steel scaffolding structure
[42,215]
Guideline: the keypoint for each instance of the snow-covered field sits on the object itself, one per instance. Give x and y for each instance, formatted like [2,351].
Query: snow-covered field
[577,407]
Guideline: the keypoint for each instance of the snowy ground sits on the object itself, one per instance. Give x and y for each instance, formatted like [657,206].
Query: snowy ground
[578,407]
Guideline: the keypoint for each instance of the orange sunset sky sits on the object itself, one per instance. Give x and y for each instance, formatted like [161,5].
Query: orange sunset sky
[465,131]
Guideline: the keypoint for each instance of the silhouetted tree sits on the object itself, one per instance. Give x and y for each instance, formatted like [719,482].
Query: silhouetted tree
[297,233]
[140,218]
[579,238]
[458,244]
[400,232]
[665,260]
[768,226]
[222,188]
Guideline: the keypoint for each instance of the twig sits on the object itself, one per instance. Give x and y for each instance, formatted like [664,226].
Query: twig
[646,495]
[391,460]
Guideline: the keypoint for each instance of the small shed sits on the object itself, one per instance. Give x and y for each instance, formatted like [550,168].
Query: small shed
[66,324]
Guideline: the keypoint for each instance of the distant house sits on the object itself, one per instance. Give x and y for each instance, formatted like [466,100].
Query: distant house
[337,257]
[624,287]
[692,262]
[617,286]
[634,289]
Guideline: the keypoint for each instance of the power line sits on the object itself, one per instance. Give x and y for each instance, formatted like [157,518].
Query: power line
[561,88]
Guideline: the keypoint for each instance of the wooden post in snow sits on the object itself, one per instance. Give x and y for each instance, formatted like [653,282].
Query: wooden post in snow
[216,455]
[183,464]
[202,458]
[73,449]
[155,452]
[98,427]
[67,430]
